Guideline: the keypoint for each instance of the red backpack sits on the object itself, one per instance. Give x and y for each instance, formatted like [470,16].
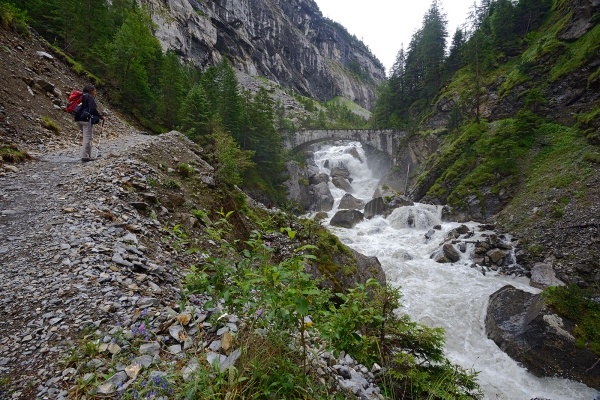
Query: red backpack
[75,99]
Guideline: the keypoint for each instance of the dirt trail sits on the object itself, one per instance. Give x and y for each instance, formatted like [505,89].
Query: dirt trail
[73,256]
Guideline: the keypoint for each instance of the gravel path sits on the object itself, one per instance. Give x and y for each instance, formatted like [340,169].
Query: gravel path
[70,256]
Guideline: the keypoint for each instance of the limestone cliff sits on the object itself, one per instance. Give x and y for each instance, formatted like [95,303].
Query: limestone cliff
[289,42]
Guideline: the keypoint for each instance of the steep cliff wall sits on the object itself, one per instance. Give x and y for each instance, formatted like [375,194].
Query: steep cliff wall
[289,42]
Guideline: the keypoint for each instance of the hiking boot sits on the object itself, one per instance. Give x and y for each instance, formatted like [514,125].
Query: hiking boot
[86,159]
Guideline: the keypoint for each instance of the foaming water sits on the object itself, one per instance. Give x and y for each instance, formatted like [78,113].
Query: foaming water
[451,296]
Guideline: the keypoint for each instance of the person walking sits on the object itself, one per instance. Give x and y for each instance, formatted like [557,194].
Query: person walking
[86,118]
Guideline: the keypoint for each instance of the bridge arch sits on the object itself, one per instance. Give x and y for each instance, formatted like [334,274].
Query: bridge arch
[384,140]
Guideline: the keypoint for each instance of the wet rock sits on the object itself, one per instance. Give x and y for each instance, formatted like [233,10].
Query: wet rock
[346,218]
[375,207]
[342,183]
[496,255]
[322,199]
[528,331]
[543,275]
[450,252]
[318,178]
[350,202]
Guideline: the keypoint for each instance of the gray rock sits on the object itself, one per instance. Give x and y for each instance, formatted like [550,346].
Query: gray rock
[342,183]
[350,202]
[150,348]
[177,332]
[531,333]
[375,207]
[117,259]
[145,361]
[322,198]
[45,55]
[429,234]
[231,359]
[110,385]
[189,369]
[496,255]
[346,218]
[543,275]
[450,252]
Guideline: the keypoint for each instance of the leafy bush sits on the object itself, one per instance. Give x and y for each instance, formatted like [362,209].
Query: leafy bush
[285,306]
[13,18]
[185,170]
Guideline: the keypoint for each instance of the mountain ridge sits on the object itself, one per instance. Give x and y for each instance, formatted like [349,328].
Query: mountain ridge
[290,43]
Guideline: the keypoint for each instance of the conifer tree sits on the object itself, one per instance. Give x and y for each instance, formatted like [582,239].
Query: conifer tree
[171,87]
[194,115]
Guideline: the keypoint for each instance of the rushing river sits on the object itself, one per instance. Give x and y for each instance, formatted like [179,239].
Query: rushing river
[452,296]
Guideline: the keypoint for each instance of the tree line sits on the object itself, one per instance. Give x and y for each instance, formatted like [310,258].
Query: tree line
[494,31]
[114,40]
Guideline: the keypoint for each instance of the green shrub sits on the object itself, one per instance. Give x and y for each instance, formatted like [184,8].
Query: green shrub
[171,184]
[576,304]
[185,170]
[13,18]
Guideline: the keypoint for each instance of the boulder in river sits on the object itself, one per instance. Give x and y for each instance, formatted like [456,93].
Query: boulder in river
[451,253]
[346,218]
[322,198]
[350,202]
[375,207]
[342,183]
[528,331]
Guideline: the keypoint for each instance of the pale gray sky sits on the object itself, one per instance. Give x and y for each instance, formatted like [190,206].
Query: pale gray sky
[385,24]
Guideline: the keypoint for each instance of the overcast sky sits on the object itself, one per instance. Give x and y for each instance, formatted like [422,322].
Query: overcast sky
[385,24]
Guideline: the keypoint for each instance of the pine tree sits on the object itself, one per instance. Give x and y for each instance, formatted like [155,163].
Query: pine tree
[171,87]
[194,115]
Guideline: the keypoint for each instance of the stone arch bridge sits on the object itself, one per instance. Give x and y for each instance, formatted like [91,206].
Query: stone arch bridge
[384,140]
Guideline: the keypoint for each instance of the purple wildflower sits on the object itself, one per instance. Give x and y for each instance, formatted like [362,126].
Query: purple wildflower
[144,312]
[142,328]
[259,312]
[193,298]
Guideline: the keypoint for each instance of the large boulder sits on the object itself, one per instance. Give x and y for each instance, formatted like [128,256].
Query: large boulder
[342,183]
[318,178]
[350,202]
[340,171]
[346,218]
[531,333]
[322,199]
[346,269]
[297,185]
[543,275]
[375,207]
[450,252]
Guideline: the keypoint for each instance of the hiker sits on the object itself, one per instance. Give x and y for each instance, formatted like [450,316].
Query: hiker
[87,116]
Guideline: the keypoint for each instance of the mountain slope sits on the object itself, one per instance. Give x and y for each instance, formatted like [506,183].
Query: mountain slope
[290,43]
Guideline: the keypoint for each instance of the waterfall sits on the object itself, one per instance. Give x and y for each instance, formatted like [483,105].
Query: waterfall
[452,296]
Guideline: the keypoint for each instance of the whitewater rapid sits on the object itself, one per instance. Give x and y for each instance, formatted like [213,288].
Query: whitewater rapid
[451,296]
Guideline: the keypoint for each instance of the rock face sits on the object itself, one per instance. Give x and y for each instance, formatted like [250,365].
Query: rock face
[308,188]
[289,42]
[532,334]
[347,218]
[296,190]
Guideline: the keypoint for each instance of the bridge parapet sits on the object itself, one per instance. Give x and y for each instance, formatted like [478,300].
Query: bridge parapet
[384,140]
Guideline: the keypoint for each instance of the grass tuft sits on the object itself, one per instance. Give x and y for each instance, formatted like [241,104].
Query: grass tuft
[50,124]
[11,153]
